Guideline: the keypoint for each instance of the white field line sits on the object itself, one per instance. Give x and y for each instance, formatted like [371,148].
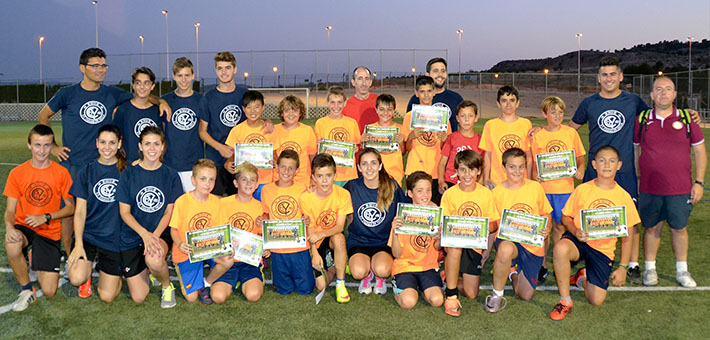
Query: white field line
[9,164]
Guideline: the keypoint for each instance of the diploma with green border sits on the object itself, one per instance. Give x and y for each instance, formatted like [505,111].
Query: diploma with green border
[417,219]
[343,152]
[383,139]
[465,232]
[209,243]
[522,227]
[284,234]
[248,247]
[258,154]
[556,165]
[430,118]
[608,222]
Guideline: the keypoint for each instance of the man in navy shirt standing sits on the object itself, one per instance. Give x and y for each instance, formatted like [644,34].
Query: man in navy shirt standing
[443,97]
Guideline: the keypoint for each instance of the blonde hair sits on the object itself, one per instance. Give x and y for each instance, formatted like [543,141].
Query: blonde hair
[550,102]
[291,101]
[245,168]
[335,91]
[203,163]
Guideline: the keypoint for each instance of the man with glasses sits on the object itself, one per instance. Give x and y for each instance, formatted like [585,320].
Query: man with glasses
[361,106]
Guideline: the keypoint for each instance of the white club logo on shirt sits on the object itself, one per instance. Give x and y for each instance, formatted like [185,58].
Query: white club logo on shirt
[142,124]
[442,104]
[611,121]
[150,199]
[105,190]
[369,215]
[92,112]
[184,119]
[230,115]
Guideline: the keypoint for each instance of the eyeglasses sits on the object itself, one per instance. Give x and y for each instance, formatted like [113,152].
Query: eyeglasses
[99,66]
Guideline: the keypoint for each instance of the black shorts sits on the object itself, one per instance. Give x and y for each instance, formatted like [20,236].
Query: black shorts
[470,262]
[325,252]
[224,183]
[165,236]
[107,261]
[132,262]
[369,251]
[46,255]
[420,281]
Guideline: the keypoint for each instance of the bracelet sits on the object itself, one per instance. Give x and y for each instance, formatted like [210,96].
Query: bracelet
[702,184]
[625,266]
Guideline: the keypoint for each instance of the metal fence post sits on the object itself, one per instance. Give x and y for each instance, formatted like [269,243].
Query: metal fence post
[349,67]
[382,75]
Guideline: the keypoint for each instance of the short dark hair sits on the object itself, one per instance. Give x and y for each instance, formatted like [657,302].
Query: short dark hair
[509,90]
[470,158]
[91,53]
[511,153]
[433,61]
[181,63]
[605,148]
[467,103]
[423,81]
[41,130]
[322,160]
[251,96]
[417,176]
[609,60]
[386,98]
[143,70]
[289,154]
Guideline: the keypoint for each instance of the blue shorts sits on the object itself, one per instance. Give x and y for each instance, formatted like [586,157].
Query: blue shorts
[257,192]
[598,265]
[675,209]
[191,275]
[528,263]
[420,281]
[292,272]
[557,201]
[240,273]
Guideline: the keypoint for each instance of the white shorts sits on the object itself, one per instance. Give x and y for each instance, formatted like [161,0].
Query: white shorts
[185,177]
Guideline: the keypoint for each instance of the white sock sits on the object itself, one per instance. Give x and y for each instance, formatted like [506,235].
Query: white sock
[633,264]
[207,285]
[498,292]
[650,265]
[681,266]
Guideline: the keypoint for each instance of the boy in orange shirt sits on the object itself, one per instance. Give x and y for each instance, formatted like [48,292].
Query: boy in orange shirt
[598,255]
[500,134]
[327,207]
[336,126]
[291,134]
[415,267]
[467,198]
[519,194]
[290,268]
[385,106]
[244,212]
[424,147]
[250,131]
[197,209]
[35,189]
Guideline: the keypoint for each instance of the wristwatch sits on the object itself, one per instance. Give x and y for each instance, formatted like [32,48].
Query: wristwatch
[702,184]
[48,217]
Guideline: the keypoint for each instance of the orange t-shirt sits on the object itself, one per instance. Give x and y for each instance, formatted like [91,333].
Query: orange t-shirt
[393,160]
[477,203]
[529,199]
[243,133]
[283,204]
[301,139]
[38,192]
[241,215]
[324,212]
[499,136]
[589,196]
[343,130]
[418,254]
[566,138]
[189,215]
[426,150]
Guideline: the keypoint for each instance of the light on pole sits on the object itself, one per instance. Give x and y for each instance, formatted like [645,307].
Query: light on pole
[546,72]
[197,45]
[246,75]
[275,69]
[660,73]
[579,62]
[167,50]
[41,39]
[690,65]
[459,32]
[141,38]
[96,15]
[327,67]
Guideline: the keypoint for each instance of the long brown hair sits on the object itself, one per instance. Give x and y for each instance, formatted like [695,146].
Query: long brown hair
[385,187]
[121,153]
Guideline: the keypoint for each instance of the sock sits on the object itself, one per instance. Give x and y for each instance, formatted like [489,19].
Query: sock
[580,282]
[681,266]
[650,265]
[452,292]
[207,284]
[339,282]
[633,264]
[27,286]
[566,299]
[498,292]
[380,279]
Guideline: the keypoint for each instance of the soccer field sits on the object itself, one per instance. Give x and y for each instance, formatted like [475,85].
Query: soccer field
[632,311]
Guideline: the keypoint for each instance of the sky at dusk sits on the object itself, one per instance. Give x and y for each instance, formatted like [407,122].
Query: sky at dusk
[493,31]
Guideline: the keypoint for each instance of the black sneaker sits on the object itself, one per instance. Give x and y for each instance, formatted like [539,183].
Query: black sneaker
[542,275]
[205,297]
[634,274]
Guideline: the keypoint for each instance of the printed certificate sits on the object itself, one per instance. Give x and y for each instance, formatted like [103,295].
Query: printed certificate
[556,165]
[522,227]
[430,118]
[343,152]
[284,234]
[209,243]
[258,154]
[606,222]
[465,232]
[419,219]
[248,247]
[384,139]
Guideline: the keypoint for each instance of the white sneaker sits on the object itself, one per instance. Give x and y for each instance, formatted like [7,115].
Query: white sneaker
[685,279]
[380,286]
[366,284]
[24,299]
[650,277]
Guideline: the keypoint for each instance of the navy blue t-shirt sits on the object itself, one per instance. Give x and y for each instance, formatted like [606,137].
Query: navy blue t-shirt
[448,99]
[96,184]
[132,120]
[148,192]
[370,227]
[181,133]
[83,114]
[222,111]
[611,122]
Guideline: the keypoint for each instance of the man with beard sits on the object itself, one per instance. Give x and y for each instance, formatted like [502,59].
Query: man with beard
[443,97]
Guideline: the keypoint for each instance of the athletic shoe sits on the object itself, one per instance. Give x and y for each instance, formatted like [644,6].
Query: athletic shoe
[452,306]
[560,311]
[85,290]
[366,284]
[650,277]
[513,270]
[685,279]
[380,286]
[542,275]
[153,281]
[24,299]
[341,294]
[493,303]
[634,274]
[167,300]
[205,297]
[576,279]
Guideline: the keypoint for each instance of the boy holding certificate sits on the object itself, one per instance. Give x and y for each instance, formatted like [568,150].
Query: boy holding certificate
[197,209]
[293,135]
[385,105]
[415,267]
[463,139]
[424,147]
[290,268]
[336,126]
[244,212]
[467,198]
[598,254]
[250,131]
[517,193]
[327,207]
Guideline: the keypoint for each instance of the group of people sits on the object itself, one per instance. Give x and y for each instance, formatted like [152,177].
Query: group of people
[138,172]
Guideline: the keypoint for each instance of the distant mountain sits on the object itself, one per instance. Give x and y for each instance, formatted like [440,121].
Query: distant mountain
[666,56]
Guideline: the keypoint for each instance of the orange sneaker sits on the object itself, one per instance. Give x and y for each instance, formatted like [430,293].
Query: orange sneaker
[452,306]
[560,311]
[85,290]
[574,279]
